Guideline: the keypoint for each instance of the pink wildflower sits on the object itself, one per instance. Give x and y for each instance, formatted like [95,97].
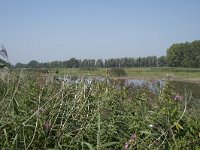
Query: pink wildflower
[130,141]
[47,126]
[178,97]
[126,146]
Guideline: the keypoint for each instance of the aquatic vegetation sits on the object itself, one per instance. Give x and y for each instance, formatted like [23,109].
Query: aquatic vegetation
[38,112]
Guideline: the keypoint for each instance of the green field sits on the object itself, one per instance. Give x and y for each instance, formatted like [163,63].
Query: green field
[179,74]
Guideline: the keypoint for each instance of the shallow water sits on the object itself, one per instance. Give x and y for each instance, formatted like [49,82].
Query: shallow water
[154,86]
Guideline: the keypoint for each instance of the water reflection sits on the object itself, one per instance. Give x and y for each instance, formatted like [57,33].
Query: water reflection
[154,86]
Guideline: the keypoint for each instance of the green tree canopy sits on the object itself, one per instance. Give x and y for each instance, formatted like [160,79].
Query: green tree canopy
[33,64]
[184,55]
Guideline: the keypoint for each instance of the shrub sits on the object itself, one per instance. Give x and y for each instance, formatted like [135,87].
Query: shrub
[117,72]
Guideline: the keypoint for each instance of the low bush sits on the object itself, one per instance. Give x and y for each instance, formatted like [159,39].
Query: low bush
[117,72]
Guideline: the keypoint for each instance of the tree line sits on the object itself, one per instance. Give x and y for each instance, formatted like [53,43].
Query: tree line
[150,61]
[178,55]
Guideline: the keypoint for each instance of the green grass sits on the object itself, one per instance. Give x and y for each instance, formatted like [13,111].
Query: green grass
[40,113]
[159,73]
[180,74]
[80,72]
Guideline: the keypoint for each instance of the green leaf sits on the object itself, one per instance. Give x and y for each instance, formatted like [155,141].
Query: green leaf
[2,65]
[145,132]
[15,139]
[88,145]
[16,106]
[6,136]
[108,144]
[178,126]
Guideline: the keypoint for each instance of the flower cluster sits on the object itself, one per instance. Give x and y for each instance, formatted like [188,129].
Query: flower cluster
[178,97]
[47,126]
[130,141]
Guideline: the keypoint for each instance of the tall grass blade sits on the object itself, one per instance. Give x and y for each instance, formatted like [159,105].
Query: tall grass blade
[16,106]
[108,144]
[88,145]
[6,136]
[99,129]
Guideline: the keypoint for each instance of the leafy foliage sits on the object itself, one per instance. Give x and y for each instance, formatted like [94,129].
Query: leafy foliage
[184,55]
[150,61]
[117,72]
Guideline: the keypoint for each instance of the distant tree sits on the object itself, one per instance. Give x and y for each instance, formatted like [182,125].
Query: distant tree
[178,55]
[196,47]
[127,62]
[32,64]
[162,61]
[117,72]
[99,63]
[72,63]
[20,65]
[85,63]
[56,64]
[184,55]
[111,63]
[92,63]
[45,65]
[138,62]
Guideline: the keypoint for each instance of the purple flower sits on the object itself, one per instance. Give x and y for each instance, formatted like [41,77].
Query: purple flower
[47,126]
[178,97]
[130,141]
[126,145]
[133,137]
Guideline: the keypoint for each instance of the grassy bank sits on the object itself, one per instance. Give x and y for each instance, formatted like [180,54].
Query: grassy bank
[180,74]
[40,113]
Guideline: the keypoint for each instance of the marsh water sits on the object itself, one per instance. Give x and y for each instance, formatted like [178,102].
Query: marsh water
[154,86]
[119,82]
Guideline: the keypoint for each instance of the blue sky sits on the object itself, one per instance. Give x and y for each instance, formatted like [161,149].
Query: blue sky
[46,30]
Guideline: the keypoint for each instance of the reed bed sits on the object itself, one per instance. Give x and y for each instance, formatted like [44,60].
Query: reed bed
[38,112]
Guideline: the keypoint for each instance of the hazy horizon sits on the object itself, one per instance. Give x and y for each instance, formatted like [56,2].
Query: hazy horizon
[50,30]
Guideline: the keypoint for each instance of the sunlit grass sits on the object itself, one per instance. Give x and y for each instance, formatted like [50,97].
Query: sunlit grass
[38,112]
[185,74]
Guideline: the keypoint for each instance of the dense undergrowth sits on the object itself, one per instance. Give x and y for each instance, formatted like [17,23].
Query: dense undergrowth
[40,113]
